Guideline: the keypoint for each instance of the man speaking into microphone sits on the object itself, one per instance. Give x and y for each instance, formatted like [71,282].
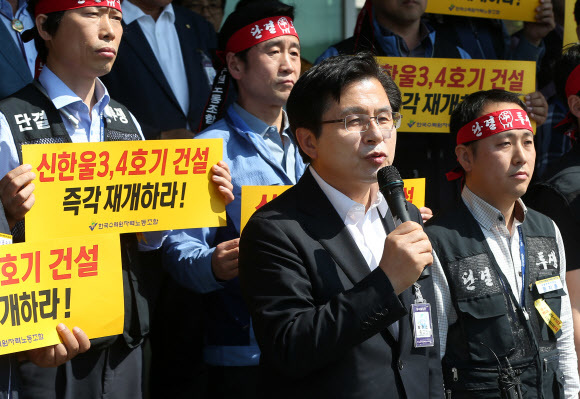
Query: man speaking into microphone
[331,284]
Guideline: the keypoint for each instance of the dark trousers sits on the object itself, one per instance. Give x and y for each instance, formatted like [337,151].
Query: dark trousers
[114,372]
[233,382]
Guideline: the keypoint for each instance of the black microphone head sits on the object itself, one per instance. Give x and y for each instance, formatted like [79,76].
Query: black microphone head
[388,175]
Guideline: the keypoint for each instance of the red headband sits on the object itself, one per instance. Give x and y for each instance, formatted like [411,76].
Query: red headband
[48,6]
[573,82]
[260,31]
[494,123]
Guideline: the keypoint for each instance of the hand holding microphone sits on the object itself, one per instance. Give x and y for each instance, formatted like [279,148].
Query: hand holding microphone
[407,248]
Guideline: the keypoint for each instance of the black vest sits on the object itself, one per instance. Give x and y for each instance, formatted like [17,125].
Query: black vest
[33,119]
[490,319]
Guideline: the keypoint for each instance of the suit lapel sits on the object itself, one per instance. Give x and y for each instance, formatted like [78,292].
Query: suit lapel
[135,38]
[13,55]
[325,224]
[191,57]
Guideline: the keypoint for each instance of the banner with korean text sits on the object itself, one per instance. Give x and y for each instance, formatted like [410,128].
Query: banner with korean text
[518,10]
[254,197]
[432,87]
[77,281]
[123,187]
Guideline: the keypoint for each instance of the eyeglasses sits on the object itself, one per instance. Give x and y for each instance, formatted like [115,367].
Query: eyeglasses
[360,123]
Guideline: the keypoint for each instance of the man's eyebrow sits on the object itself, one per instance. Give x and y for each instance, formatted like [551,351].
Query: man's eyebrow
[359,110]
[279,42]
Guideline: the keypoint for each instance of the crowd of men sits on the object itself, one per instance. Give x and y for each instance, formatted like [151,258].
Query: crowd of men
[329,292]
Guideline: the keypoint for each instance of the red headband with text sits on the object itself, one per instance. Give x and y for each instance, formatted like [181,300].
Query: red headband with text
[494,123]
[260,31]
[48,6]
[573,82]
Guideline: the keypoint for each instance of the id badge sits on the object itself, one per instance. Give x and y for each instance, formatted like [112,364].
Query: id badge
[549,284]
[422,325]
[5,239]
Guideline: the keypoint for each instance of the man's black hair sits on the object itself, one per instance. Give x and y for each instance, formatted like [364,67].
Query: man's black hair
[246,12]
[471,107]
[324,83]
[51,25]
[577,12]
[563,67]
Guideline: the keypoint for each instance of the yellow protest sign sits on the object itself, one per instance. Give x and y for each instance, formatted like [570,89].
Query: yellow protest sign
[123,187]
[254,197]
[415,191]
[518,10]
[77,281]
[570,35]
[432,87]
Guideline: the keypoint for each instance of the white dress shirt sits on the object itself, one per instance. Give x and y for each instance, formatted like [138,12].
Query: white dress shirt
[365,228]
[504,245]
[163,39]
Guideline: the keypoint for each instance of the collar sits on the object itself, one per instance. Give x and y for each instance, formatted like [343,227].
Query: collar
[346,207]
[488,216]
[61,95]
[257,125]
[132,13]
[6,8]
[424,32]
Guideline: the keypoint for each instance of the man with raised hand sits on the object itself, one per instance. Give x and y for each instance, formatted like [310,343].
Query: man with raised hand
[330,282]
[78,41]
[261,51]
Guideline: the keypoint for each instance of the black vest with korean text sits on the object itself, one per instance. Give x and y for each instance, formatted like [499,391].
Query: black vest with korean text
[33,119]
[491,322]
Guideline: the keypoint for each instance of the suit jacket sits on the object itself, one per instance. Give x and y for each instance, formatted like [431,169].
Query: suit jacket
[320,315]
[14,71]
[138,82]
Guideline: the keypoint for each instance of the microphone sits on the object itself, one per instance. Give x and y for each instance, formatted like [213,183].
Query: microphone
[391,186]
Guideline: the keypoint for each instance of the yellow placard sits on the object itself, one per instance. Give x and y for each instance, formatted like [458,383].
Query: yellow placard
[570,35]
[415,191]
[254,197]
[518,10]
[123,187]
[77,281]
[432,87]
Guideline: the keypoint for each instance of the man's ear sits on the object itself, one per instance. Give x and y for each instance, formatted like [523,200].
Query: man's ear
[308,142]
[40,20]
[574,105]
[235,65]
[464,157]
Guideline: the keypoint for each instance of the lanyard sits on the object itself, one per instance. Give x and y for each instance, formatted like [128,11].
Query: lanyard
[523,262]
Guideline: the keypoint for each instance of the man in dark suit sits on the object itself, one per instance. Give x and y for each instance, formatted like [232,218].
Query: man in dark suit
[327,277]
[163,70]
